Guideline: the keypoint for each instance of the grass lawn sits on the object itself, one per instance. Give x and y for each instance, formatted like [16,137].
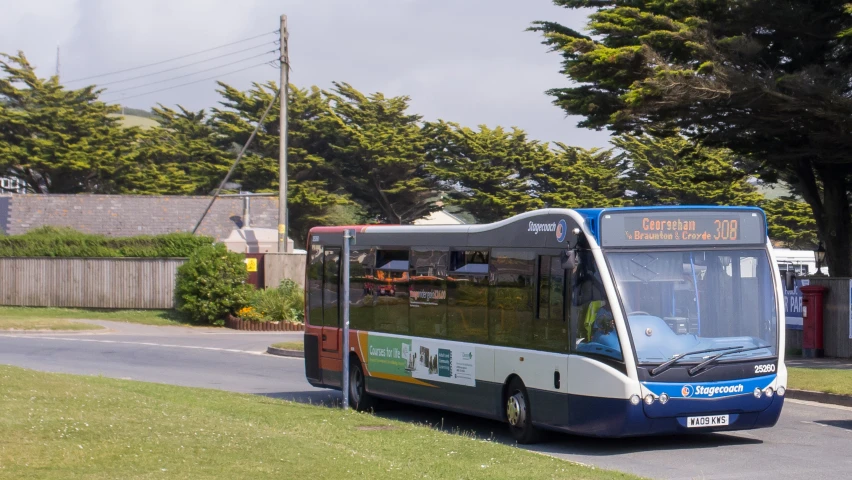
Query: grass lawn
[300,346]
[16,323]
[35,318]
[820,380]
[65,426]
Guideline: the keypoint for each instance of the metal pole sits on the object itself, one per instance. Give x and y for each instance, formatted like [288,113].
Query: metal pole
[283,223]
[347,235]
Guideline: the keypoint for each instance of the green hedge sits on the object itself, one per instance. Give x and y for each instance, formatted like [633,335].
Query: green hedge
[67,242]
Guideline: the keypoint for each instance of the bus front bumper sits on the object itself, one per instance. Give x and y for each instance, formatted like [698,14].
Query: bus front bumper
[606,417]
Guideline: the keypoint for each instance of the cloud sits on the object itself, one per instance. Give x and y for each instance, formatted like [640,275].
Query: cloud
[468,61]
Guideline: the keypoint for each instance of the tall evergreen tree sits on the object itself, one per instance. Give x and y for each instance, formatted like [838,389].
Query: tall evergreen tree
[791,222]
[481,169]
[57,140]
[676,171]
[767,79]
[177,157]
[379,155]
[311,191]
[573,177]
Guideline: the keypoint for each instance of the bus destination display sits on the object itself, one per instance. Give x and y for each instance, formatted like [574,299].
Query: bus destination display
[672,228]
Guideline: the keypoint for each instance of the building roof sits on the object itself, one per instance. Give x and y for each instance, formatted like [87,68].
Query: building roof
[440,217]
[129,215]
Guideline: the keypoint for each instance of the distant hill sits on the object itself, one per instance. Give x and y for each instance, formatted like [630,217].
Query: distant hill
[138,112]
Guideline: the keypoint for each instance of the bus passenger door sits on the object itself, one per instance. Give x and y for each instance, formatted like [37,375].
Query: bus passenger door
[331,302]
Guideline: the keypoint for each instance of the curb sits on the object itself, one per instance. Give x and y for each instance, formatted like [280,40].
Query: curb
[289,353]
[820,397]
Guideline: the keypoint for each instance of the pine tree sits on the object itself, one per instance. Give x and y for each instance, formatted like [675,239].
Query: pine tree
[770,80]
[791,223]
[379,155]
[311,191]
[573,177]
[481,169]
[57,140]
[676,171]
[177,157]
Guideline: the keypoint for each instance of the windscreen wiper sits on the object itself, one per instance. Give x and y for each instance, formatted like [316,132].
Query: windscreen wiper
[715,358]
[666,365]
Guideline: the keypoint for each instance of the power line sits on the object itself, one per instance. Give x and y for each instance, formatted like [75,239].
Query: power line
[193,82]
[185,65]
[171,59]
[189,74]
[237,161]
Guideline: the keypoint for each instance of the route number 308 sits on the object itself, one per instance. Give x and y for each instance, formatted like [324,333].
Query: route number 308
[726,229]
[768,368]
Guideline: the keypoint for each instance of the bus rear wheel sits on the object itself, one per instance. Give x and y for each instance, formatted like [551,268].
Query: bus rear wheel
[519,413]
[359,399]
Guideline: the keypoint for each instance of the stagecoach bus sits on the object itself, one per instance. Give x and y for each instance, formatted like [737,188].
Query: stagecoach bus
[604,322]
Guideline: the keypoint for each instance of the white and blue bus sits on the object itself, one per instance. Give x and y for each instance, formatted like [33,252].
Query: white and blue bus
[605,322]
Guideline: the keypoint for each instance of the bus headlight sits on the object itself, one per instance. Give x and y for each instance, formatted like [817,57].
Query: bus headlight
[769,392]
[758,392]
[664,397]
[649,399]
[635,399]
[781,391]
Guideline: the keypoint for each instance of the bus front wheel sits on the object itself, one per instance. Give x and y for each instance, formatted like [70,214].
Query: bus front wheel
[359,399]
[519,413]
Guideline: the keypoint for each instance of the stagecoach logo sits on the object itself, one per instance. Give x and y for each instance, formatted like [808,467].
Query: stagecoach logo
[561,231]
[709,392]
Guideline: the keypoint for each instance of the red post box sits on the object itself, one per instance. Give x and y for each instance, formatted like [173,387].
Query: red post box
[812,320]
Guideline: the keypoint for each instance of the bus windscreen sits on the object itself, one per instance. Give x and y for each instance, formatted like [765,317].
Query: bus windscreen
[667,228]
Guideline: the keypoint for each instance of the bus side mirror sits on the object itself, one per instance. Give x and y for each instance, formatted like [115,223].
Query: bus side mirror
[789,280]
[569,259]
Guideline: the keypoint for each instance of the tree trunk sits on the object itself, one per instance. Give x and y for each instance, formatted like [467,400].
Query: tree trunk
[836,230]
[830,205]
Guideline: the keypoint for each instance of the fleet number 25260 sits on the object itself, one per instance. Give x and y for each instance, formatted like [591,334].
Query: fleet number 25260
[768,368]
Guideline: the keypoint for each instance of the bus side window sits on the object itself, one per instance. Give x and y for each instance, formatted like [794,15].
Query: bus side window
[511,296]
[331,288]
[550,331]
[390,310]
[428,292]
[315,268]
[362,288]
[593,325]
[467,296]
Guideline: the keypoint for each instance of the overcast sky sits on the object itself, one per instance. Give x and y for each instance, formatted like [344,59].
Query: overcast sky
[469,61]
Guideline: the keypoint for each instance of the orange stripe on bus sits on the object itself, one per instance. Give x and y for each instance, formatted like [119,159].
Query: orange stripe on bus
[400,378]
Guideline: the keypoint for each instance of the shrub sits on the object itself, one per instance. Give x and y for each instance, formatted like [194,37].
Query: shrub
[287,303]
[211,284]
[67,242]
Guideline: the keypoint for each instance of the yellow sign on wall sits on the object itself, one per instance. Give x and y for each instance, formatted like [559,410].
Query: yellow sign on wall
[251,264]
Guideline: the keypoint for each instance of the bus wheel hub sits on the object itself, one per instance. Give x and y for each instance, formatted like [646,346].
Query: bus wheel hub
[516,410]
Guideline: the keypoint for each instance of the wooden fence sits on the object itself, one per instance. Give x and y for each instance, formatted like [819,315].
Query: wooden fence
[140,283]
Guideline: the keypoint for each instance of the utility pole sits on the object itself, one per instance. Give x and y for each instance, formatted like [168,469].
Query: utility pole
[283,220]
[57,62]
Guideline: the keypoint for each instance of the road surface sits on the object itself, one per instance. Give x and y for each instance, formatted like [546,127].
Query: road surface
[811,440]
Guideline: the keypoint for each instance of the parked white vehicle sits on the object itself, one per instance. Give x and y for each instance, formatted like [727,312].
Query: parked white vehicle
[802,262]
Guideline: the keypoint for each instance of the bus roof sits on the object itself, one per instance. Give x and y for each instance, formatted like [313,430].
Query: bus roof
[512,231]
